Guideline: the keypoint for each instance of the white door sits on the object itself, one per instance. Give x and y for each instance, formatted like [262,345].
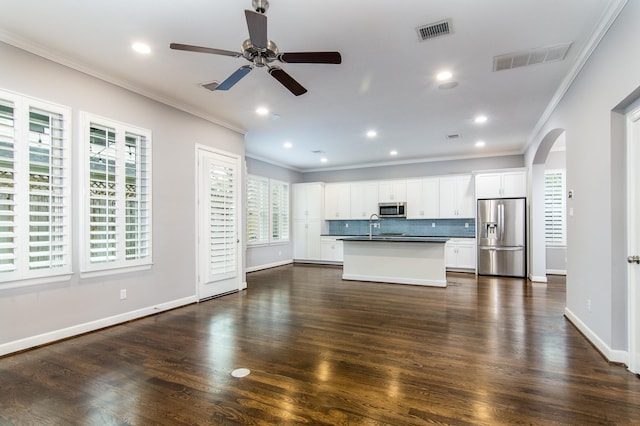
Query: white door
[633,226]
[217,230]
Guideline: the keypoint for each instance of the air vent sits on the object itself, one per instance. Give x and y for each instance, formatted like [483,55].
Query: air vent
[541,55]
[453,136]
[317,151]
[436,29]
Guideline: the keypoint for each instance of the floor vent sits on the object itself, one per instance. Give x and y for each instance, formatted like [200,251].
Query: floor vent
[436,29]
[540,55]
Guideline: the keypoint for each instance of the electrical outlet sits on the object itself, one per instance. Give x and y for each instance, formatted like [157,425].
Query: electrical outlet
[433,224]
[466,225]
[123,293]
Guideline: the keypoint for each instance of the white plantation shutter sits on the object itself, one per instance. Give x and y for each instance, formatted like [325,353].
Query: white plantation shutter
[7,188]
[117,202]
[35,232]
[222,220]
[279,211]
[554,206]
[48,182]
[257,210]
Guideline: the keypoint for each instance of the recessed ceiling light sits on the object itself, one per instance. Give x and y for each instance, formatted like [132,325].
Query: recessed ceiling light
[480,119]
[444,75]
[323,159]
[371,134]
[288,144]
[480,144]
[262,111]
[393,152]
[141,48]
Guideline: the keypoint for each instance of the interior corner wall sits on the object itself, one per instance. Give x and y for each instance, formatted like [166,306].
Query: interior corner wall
[264,256]
[48,311]
[596,289]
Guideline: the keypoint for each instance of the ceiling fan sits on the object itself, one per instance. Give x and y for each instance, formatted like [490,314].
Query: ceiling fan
[261,51]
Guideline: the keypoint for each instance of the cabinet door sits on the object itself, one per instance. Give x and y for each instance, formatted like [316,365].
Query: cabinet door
[313,240]
[488,185]
[465,197]
[430,198]
[448,197]
[364,199]
[466,255]
[315,201]
[451,255]
[337,201]
[300,231]
[514,184]
[392,191]
[299,201]
[415,203]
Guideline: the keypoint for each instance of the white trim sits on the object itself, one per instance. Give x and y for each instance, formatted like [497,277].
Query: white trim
[412,281]
[64,333]
[632,230]
[537,279]
[269,265]
[557,271]
[610,354]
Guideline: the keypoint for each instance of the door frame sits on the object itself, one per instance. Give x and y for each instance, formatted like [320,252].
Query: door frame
[200,149]
[633,226]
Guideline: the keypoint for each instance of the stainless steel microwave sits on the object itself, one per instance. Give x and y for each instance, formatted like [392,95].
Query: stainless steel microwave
[392,210]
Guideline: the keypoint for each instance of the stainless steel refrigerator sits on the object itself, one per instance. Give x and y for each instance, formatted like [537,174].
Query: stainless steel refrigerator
[501,232]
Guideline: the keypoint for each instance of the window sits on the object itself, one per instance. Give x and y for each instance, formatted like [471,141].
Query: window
[34,190]
[116,204]
[554,207]
[257,210]
[267,211]
[279,211]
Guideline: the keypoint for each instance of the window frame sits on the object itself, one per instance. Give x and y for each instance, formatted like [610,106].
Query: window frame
[262,217]
[122,131]
[561,201]
[23,275]
[267,216]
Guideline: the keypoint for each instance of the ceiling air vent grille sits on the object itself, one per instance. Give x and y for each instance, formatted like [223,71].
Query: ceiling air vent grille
[436,29]
[541,55]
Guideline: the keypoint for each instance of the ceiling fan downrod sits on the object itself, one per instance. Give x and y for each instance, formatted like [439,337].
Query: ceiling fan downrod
[260,6]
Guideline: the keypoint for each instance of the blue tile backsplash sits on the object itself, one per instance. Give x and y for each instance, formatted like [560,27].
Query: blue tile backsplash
[421,227]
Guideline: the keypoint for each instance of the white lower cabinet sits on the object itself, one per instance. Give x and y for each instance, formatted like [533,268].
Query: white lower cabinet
[460,254]
[331,249]
[306,240]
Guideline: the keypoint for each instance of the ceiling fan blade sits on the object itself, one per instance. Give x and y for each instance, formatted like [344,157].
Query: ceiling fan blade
[190,48]
[287,81]
[257,24]
[311,57]
[234,78]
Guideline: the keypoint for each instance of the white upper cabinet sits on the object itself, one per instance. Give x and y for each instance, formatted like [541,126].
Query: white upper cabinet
[308,201]
[392,191]
[456,197]
[364,199]
[423,198]
[506,184]
[337,201]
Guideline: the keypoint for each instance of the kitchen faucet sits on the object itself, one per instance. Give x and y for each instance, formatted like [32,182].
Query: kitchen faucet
[371,224]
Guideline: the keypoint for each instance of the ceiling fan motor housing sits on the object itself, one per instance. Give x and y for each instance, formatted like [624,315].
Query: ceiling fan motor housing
[260,6]
[259,57]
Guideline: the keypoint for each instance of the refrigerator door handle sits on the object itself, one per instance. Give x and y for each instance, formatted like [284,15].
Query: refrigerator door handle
[500,221]
[514,248]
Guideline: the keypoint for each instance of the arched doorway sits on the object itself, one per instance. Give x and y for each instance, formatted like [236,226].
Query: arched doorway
[537,242]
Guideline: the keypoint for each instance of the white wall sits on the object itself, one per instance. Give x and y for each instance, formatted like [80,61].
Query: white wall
[596,268]
[35,314]
[259,257]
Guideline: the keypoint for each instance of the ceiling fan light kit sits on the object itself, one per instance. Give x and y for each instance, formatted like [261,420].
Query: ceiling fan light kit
[260,52]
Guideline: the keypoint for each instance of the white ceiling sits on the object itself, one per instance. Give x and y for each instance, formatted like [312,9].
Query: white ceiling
[385,82]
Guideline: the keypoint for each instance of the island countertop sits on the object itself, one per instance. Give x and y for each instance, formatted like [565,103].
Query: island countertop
[398,239]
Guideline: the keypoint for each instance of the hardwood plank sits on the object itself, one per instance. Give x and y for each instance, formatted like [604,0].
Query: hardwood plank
[324,351]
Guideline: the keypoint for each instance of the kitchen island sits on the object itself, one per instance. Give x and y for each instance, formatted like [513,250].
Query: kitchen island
[399,260]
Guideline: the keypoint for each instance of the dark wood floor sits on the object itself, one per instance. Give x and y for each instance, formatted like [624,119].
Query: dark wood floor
[323,351]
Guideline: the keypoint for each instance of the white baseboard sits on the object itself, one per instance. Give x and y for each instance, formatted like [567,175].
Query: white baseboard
[557,271]
[612,355]
[64,333]
[537,279]
[268,265]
